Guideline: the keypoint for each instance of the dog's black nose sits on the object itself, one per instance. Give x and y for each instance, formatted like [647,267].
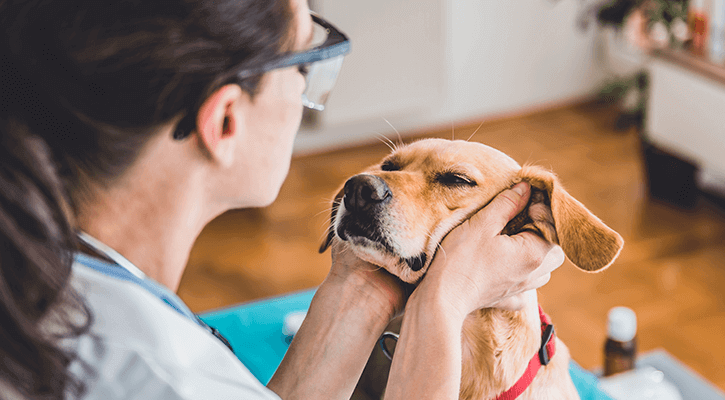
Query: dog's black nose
[363,191]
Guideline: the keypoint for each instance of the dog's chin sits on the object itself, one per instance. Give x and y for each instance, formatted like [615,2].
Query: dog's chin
[409,270]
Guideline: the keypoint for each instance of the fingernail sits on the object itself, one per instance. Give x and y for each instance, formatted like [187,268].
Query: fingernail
[521,188]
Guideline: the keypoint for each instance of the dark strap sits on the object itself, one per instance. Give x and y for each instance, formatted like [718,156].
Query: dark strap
[541,358]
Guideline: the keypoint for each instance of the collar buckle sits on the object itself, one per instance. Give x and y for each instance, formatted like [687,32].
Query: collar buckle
[546,336]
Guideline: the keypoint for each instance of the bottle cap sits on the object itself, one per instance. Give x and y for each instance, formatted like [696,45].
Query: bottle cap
[293,322]
[622,324]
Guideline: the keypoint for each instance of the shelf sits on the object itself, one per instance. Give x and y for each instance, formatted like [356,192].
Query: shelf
[697,64]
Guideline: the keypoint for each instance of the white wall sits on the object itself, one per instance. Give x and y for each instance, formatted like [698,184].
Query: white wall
[396,64]
[508,55]
[431,63]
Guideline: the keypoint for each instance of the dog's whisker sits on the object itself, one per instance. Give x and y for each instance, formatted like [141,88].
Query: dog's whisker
[322,213]
[330,202]
[348,248]
[474,132]
[539,162]
[387,141]
[400,138]
[325,225]
[329,210]
[442,249]
[438,244]
[528,159]
[327,204]
[329,220]
[323,237]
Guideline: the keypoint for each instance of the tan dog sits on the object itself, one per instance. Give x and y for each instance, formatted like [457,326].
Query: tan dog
[396,213]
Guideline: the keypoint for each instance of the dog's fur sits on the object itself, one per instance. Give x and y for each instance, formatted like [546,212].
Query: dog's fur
[430,187]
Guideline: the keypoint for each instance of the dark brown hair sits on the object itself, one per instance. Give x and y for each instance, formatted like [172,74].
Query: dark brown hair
[84,85]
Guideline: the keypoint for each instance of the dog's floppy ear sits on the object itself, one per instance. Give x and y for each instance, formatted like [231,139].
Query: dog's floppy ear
[331,226]
[559,218]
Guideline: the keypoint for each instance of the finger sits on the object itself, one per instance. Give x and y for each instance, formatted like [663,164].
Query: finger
[553,260]
[540,281]
[511,303]
[506,205]
[539,251]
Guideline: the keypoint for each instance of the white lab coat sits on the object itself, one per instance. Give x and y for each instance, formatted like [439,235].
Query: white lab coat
[140,348]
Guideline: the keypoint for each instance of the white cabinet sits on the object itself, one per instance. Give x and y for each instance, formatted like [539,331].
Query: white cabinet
[686,115]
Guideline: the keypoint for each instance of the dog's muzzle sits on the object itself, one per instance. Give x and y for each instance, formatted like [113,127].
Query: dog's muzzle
[365,200]
[365,197]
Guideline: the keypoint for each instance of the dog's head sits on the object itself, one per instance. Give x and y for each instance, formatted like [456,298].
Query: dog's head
[396,213]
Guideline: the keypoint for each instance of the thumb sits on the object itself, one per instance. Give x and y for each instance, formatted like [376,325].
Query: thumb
[504,207]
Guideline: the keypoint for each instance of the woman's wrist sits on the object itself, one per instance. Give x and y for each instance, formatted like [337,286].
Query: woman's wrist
[345,318]
[431,294]
[375,296]
[429,347]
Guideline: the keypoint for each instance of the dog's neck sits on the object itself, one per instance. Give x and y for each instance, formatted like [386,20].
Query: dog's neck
[498,344]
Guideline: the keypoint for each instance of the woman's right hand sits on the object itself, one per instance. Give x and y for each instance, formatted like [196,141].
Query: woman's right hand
[479,267]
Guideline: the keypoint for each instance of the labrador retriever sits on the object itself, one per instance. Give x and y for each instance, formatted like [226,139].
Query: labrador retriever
[396,213]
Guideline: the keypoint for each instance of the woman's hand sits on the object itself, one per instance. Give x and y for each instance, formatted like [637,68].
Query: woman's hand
[479,267]
[349,311]
[372,281]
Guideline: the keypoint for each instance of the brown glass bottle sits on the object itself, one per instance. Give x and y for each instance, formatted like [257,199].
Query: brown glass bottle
[620,349]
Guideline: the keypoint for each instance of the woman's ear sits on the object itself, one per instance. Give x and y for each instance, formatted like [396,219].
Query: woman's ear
[219,123]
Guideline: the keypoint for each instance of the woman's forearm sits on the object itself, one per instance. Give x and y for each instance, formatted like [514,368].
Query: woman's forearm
[427,361]
[328,354]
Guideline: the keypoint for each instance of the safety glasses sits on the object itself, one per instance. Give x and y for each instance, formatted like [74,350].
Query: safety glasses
[320,65]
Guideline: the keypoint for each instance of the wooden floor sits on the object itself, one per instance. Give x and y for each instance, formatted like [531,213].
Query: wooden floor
[671,271]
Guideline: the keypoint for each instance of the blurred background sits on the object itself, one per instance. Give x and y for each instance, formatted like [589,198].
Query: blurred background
[624,100]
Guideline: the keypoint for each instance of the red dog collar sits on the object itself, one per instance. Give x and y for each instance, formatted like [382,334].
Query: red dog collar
[542,358]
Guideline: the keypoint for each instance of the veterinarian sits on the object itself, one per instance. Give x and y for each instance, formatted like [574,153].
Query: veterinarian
[126,127]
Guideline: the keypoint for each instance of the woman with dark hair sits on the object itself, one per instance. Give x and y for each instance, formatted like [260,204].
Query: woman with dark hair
[127,126]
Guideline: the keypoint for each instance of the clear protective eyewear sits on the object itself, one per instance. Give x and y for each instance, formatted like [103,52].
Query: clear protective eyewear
[320,65]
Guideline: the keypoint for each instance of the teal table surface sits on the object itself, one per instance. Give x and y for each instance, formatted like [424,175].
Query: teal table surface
[255,332]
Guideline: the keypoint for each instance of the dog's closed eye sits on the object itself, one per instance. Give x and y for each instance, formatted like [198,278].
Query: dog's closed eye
[454,179]
[390,165]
